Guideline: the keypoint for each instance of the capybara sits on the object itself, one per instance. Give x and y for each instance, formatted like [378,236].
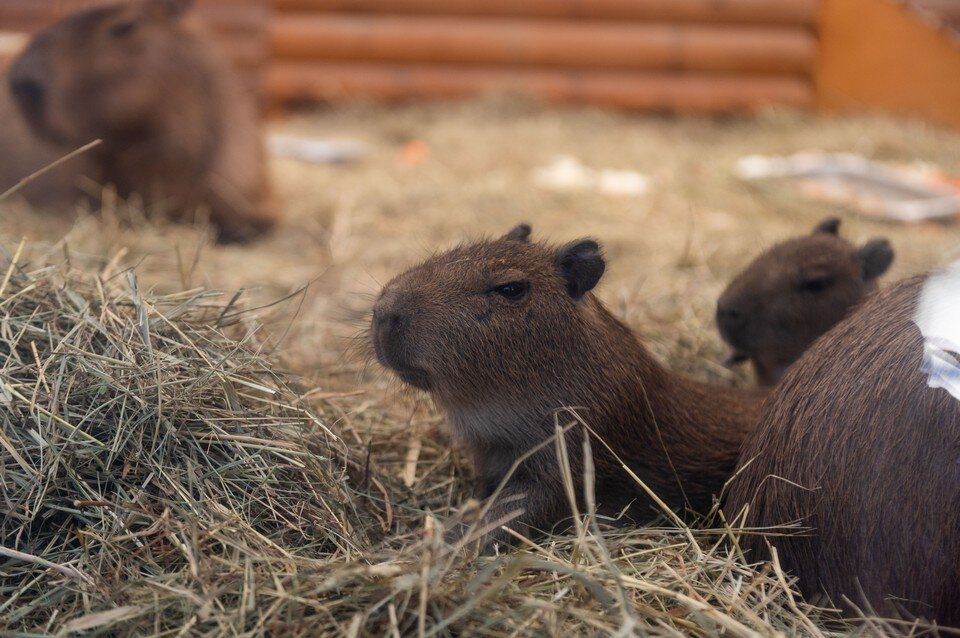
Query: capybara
[859,446]
[793,293]
[508,339]
[176,129]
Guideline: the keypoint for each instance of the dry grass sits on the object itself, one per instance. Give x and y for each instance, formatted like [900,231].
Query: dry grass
[163,473]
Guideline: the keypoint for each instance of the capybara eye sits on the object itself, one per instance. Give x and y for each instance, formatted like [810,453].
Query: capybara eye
[513,291]
[123,29]
[815,284]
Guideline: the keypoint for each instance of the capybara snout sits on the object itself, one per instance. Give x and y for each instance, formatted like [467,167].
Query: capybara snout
[29,91]
[28,81]
[392,318]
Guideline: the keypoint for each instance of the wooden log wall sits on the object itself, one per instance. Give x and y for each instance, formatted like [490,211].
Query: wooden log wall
[674,55]
[238,26]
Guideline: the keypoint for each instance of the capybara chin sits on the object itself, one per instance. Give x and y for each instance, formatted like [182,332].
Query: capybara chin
[508,338]
[856,446]
[176,129]
[793,293]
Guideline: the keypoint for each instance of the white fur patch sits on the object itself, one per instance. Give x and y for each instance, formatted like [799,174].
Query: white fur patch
[938,317]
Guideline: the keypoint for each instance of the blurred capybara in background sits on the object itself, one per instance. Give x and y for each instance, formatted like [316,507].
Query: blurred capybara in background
[177,130]
[508,338]
[795,292]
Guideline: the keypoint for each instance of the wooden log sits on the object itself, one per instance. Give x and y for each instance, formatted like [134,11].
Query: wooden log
[537,43]
[879,55]
[738,11]
[291,82]
[239,17]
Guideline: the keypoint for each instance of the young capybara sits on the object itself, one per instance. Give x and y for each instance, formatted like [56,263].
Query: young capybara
[793,293]
[176,129]
[860,444]
[508,339]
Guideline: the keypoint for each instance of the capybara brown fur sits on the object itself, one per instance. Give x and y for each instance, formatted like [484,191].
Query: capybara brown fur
[793,293]
[856,447]
[508,339]
[176,129]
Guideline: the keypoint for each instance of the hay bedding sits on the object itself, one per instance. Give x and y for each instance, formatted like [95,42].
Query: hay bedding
[160,477]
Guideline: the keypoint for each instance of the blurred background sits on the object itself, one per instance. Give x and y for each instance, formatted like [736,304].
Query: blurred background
[398,127]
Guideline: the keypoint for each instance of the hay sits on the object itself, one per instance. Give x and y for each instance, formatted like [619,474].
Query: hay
[141,443]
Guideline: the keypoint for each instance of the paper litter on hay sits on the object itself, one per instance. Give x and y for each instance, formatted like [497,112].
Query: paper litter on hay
[567,173]
[316,150]
[903,193]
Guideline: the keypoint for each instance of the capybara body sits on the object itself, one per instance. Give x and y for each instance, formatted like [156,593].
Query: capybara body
[176,129]
[793,293]
[509,340]
[856,447]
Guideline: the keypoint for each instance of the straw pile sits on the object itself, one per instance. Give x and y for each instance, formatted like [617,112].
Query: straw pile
[149,454]
[159,477]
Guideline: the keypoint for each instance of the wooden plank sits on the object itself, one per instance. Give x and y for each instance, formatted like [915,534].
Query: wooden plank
[290,82]
[880,55]
[538,43]
[740,11]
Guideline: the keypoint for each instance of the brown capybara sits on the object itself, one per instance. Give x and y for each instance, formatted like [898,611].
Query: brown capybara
[793,293]
[176,129]
[857,446]
[508,339]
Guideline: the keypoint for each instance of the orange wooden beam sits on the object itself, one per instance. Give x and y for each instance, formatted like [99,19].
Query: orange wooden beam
[762,49]
[740,11]
[879,55]
[290,82]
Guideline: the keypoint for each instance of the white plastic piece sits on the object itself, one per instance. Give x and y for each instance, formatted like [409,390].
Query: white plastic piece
[904,195]
[316,151]
[566,173]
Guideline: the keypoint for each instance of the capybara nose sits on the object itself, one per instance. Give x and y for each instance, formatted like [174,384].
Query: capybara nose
[389,325]
[729,317]
[28,93]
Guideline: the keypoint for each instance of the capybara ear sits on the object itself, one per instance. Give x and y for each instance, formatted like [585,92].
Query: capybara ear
[829,225]
[169,8]
[521,232]
[581,265]
[875,257]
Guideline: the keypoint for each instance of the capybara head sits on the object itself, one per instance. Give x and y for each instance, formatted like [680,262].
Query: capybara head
[795,292]
[480,316]
[103,72]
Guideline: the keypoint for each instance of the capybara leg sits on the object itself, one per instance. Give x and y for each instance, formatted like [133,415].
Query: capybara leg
[238,222]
